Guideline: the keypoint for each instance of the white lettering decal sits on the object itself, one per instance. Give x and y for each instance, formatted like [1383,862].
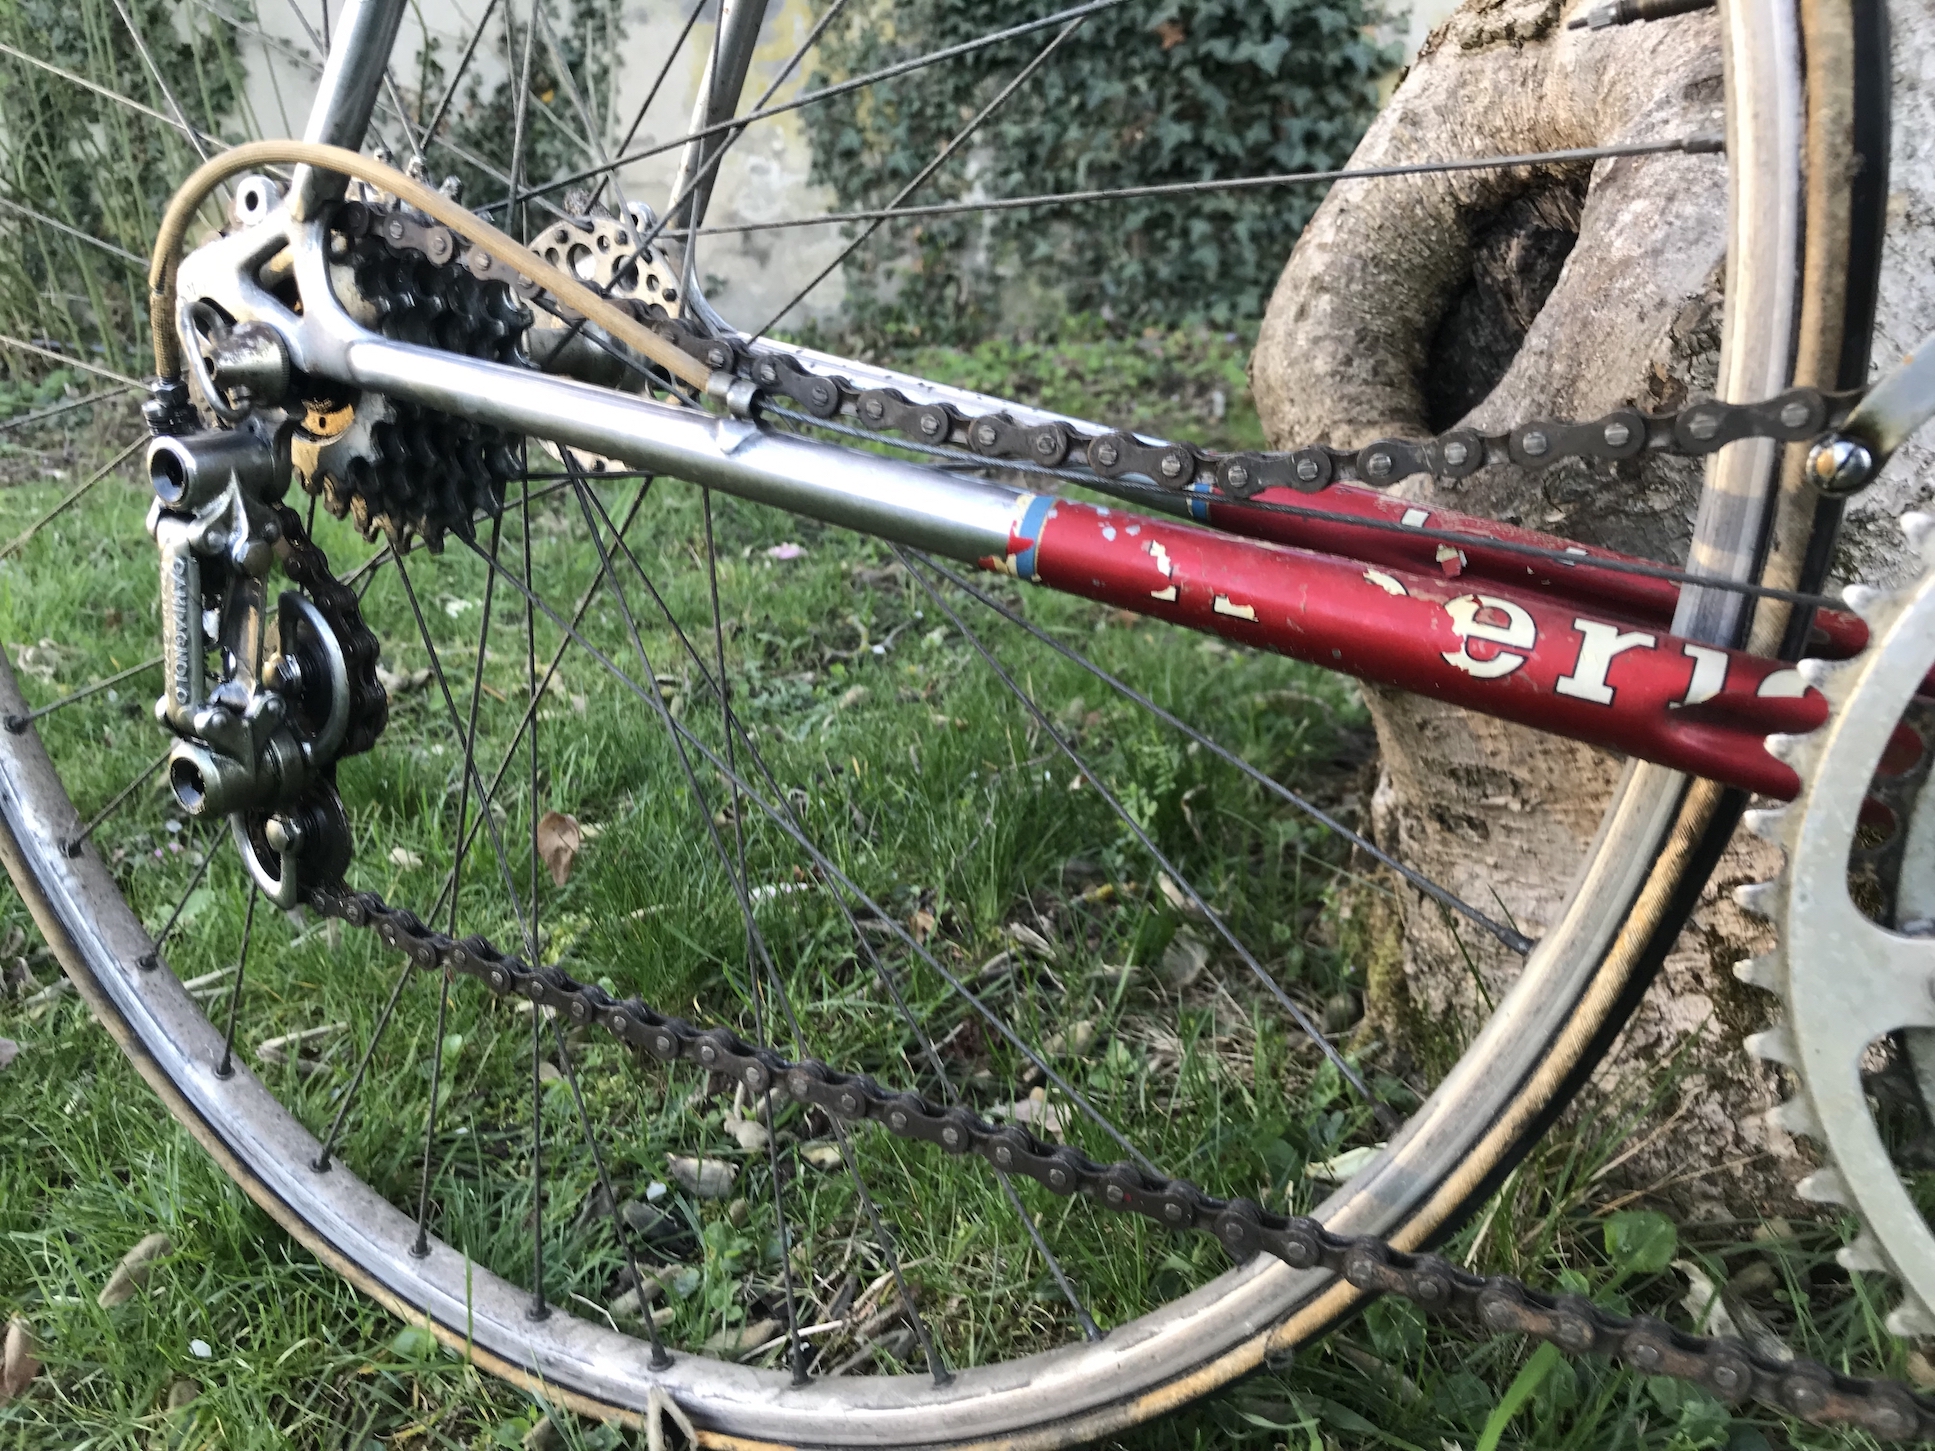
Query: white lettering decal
[1709,673]
[1385,582]
[1518,632]
[1221,604]
[1782,685]
[1161,557]
[1414,518]
[1598,644]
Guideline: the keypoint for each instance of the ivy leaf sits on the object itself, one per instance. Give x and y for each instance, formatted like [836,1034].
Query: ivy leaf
[1641,1242]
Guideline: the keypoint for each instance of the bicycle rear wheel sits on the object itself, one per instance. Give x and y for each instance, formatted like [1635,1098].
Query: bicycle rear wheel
[1800,293]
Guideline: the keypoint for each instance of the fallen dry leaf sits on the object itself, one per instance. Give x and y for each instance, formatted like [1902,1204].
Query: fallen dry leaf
[750,1134]
[1027,938]
[1175,896]
[9,1050]
[1172,34]
[560,839]
[1034,1111]
[17,1363]
[1341,1168]
[405,858]
[856,696]
[1076,1040]
[1184,958]
[821,1155]
[401,682]
[133,1271]
[703,1178]
[738,1339]
[921,924]
[182,1392]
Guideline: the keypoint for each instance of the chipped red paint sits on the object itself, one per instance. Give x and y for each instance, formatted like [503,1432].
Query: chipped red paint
[1642,601]
[1509,649]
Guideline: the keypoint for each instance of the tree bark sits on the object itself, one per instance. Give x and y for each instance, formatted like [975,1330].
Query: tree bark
[1489,298]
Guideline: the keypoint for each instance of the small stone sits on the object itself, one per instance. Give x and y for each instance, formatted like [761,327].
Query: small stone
[200,1349]
[738,1212]
[750,1134]
[182,1392]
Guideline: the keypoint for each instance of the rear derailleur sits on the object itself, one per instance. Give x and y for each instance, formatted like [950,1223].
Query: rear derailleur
[295,689]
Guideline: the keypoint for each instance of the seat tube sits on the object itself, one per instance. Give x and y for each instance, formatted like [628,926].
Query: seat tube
[719,91]
[358,57]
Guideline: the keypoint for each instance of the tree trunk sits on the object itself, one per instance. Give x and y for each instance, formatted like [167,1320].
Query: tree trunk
[1489,298]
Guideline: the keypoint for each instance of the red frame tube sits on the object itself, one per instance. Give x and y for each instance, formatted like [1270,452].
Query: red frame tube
[1594,664]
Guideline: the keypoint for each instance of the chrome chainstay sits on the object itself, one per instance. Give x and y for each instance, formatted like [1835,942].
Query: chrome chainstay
[1725,1368]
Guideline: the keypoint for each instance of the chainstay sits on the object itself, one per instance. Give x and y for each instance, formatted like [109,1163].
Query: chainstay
[1725,1368]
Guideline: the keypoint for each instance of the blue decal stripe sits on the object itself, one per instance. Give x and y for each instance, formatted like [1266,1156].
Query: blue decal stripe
[1033,518]
[1199,501]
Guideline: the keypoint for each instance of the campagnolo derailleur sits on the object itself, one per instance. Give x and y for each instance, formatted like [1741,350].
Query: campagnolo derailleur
[259,746]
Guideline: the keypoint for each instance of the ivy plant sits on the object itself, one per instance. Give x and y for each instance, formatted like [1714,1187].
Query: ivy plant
[1152,91]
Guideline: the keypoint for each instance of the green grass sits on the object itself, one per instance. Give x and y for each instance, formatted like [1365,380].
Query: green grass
[936,792]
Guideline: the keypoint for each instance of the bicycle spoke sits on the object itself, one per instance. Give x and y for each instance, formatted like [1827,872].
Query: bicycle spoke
[827,93]
[68,361]
[161,84]
[106,395]
[661,1358]
[1696,145]
[1510,937]
[19,723]
[74,843]
[651,93]
[846,883]
[321,1162]
[737,732]
[72,497]
[520,119]
[42,219]
[105,93]
[954,144]
[757,956]
[551,670]
[227,1066]
[152,960]
[422,1245]
[1385,1117]
[456,722]
[457,76]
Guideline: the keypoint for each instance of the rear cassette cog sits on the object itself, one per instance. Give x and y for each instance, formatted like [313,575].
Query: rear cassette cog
[1850,982]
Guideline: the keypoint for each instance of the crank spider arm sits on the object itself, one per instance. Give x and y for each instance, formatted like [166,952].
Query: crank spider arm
[1504,650]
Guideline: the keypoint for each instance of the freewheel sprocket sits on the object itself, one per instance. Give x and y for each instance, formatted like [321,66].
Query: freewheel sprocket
[1851,983]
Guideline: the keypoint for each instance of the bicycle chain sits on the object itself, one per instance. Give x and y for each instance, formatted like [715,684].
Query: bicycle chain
[1796,416]
[1725,1368]
[1799,415]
